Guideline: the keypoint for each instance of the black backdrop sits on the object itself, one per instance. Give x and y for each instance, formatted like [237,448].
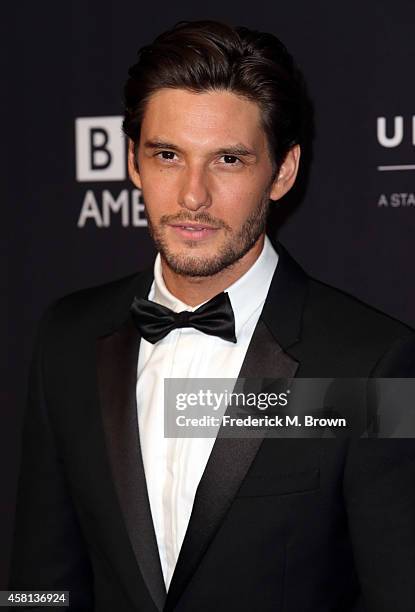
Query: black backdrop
[68,60]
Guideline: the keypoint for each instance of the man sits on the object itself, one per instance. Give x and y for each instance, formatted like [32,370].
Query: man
[126,519]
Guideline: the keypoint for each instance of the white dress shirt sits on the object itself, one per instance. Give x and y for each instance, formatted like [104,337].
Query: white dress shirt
[174,466]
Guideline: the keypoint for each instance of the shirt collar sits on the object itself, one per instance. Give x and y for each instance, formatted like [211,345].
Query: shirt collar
[247,294]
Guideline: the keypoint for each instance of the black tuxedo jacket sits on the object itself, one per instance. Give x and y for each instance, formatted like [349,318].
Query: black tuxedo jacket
[281,525]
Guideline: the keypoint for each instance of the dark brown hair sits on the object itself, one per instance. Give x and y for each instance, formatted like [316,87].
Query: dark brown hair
[208,55]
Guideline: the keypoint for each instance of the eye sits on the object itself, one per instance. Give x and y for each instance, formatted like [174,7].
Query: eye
[231,160]
[166,155]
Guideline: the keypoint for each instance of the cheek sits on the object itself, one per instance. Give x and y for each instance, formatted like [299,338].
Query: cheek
[158,203]
[247,186]
[238,198]
[158,193]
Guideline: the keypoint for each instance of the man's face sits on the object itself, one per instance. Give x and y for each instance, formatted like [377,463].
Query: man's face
[206,177]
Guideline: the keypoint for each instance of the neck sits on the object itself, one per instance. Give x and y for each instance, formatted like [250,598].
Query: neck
[194,290]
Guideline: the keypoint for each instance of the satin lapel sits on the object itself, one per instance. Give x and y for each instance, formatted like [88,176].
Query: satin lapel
[117,356]
[227,466]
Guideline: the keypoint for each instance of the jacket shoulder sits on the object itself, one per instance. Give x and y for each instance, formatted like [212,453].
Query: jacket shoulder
[355,333]
[352,315]
[95,306]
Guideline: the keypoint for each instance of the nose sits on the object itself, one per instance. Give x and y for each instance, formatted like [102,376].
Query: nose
[194,191]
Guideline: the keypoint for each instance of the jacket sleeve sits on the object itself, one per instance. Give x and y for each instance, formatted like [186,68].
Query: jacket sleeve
[379,489]
[48,550]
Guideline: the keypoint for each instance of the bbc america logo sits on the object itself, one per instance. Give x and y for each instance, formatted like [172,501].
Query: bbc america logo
[100,149]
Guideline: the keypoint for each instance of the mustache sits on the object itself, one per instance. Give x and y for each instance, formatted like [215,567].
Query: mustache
[202,218]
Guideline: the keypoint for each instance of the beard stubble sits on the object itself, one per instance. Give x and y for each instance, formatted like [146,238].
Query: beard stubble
[230,253]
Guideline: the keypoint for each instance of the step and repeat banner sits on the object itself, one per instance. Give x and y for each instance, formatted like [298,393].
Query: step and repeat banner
[76,220]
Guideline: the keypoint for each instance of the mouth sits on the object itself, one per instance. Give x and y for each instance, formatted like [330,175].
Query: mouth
[194,231]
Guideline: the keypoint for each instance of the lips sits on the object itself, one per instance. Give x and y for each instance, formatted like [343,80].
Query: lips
[194,231]
[193,227]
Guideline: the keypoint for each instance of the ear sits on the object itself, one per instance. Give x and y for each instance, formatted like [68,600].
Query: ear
[132,166]
[287,173]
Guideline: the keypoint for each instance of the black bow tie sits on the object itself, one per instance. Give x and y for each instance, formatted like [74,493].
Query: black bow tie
[155,321]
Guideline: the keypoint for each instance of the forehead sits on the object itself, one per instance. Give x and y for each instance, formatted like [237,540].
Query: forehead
[208,118]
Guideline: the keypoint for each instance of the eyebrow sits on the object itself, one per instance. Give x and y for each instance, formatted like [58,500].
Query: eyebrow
[238,149]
